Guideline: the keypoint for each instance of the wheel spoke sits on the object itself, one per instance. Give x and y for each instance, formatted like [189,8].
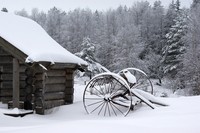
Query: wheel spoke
[94,103]
[93,98]
[113,109]
[109,109]
[117,109]
[105,109]
[97,107]
[93,93]
[101,109]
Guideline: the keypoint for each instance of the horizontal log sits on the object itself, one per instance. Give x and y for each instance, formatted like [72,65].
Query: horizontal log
[3,52]
[69,99]
[63,66]
[29,72]
[21,104]
[12,50]
[1,69]
[9,92]
[55,80]
[8,84]
[29,89]
[69,91]
[39,84]
[39,93]
[30,80]
[6,59]
[69,76]
[53,103]
[56,73]
[40,76]
[55,87]
[70,71]
[28,97]
[7,99]
[9,77]
[54,96]
[8,68]
[69,83]
[48,104]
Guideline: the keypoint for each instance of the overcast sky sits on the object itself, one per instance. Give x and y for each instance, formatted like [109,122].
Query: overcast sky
[66,5]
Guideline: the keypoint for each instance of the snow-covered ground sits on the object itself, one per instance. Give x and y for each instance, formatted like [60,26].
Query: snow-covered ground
[182,116]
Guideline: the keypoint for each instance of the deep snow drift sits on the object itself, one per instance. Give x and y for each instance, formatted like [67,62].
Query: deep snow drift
[182,116]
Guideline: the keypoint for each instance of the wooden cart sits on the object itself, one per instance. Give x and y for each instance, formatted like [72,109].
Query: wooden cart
[109,94]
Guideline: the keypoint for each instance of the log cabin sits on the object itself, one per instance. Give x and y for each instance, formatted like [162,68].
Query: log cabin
[35,71]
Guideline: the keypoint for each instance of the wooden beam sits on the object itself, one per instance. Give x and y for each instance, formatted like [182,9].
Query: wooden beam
[16,96]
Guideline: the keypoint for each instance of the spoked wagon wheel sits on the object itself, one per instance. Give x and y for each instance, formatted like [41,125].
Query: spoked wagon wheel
[107,94]
[142,80]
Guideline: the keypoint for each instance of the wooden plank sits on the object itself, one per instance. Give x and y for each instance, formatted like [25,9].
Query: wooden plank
[54,96]
[15,83]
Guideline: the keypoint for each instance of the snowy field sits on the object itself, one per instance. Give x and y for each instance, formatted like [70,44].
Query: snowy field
[182,116]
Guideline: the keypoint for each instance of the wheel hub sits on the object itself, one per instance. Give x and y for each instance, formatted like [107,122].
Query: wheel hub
[107,98]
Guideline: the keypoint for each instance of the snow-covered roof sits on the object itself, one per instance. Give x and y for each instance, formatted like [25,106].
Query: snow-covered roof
[30,38]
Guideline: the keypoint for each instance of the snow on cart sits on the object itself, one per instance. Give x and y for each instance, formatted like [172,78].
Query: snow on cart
[109,94]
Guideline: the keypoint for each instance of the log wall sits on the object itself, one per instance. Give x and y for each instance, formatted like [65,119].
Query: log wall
[6,88]
[53,88]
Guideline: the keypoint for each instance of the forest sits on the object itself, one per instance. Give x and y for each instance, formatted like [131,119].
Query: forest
[163,42]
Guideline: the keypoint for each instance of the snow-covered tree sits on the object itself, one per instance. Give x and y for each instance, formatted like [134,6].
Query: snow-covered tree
[88,54]
[22,13]
[54,24]
[195,3]
[190,74]
[175,48]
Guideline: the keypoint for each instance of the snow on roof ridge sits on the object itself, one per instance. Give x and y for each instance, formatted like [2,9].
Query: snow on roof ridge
[29,37]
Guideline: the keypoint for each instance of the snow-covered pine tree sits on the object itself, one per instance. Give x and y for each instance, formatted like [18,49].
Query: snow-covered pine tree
[195,3]
[190,74]
[88,54]
[175,48]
